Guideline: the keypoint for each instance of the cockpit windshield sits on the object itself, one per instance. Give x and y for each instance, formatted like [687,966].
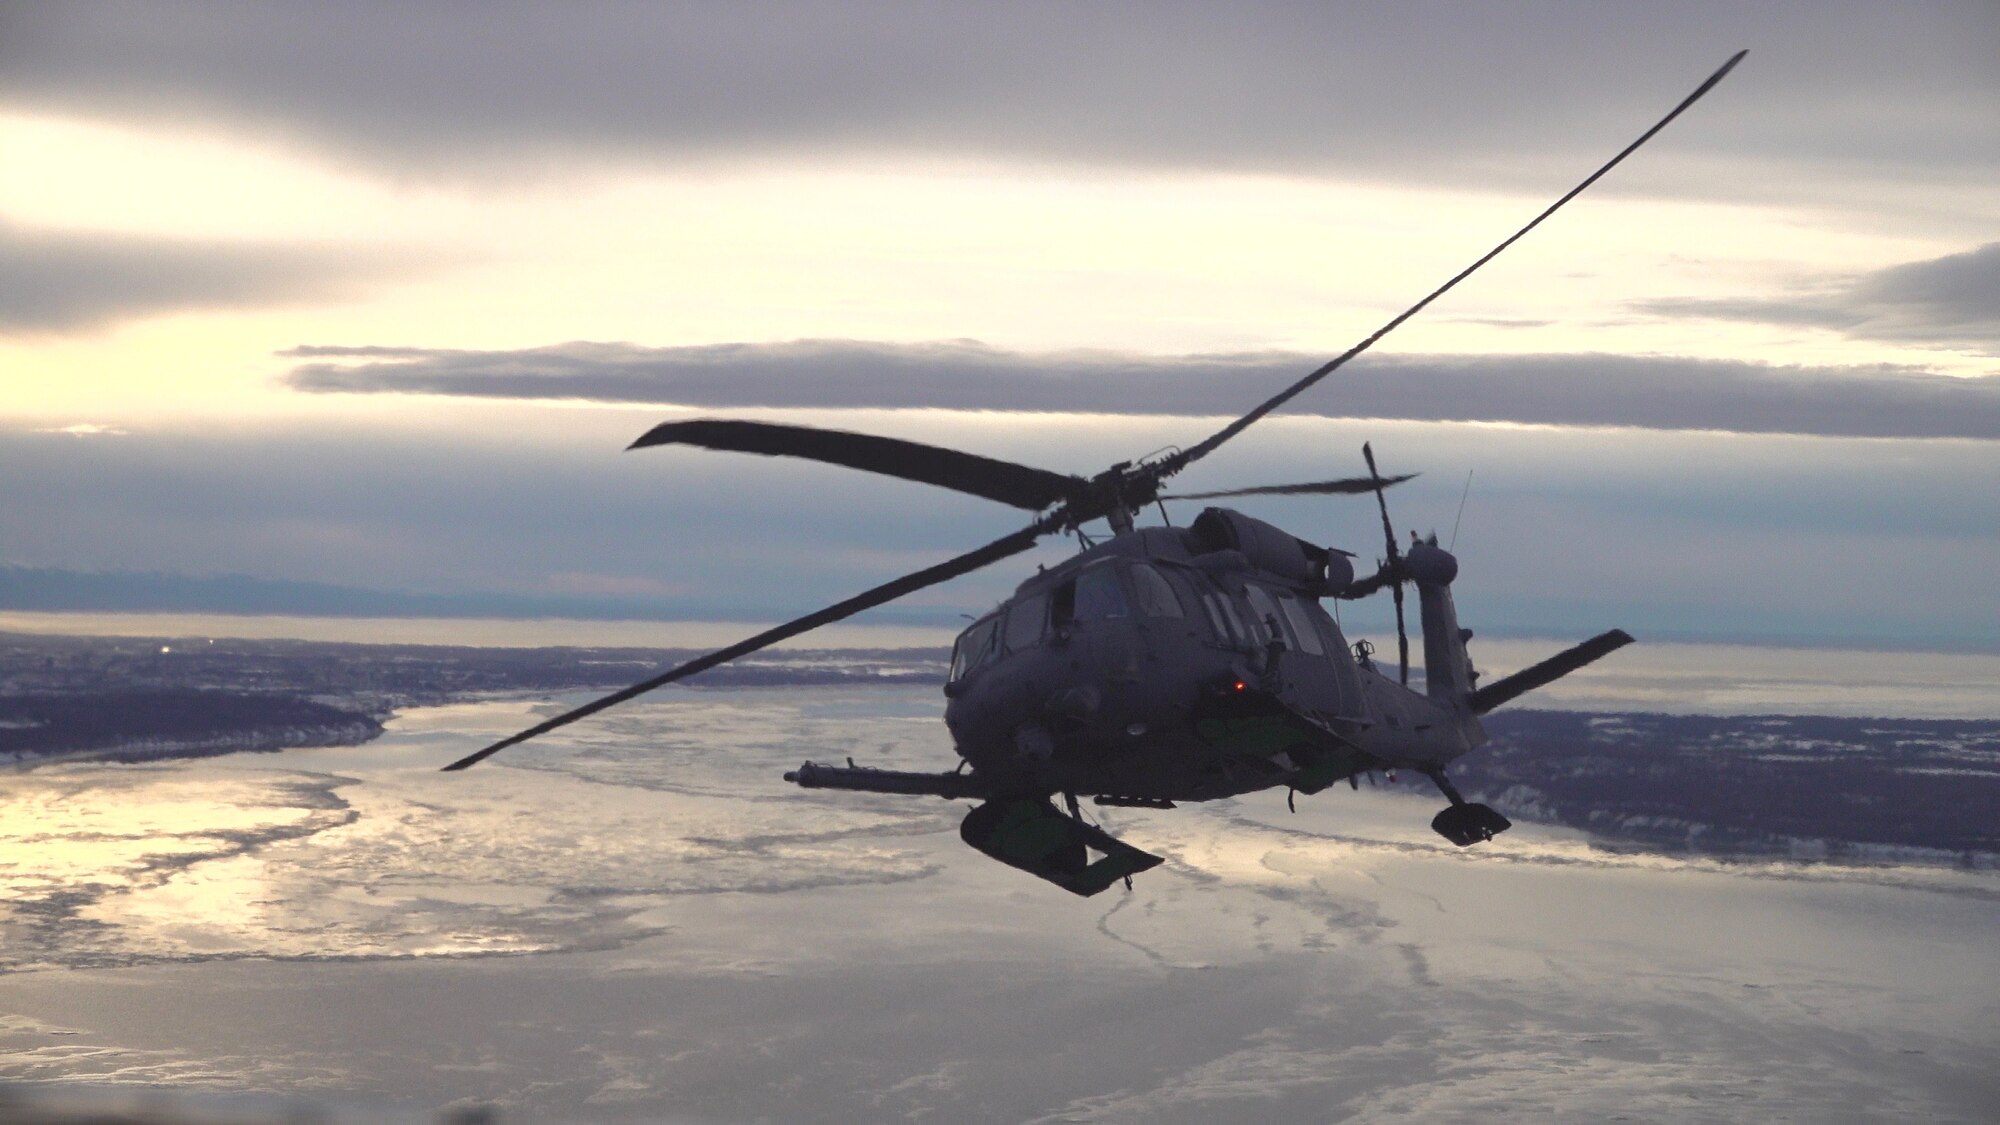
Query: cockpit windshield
[974,648]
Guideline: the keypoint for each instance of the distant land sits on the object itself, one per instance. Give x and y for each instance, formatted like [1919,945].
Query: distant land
[138,724]
[1805,787]
[133,698]
[1801,786]
[35,590]
[48,589]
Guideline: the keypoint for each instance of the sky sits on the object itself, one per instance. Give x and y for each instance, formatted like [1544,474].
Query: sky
[304,305]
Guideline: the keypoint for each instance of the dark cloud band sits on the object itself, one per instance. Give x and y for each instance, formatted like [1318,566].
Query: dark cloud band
[1514,94]
[1570,390]
[65,282]
[1951,302]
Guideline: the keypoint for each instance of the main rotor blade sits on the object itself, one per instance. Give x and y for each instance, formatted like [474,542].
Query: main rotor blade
[1020,485]
[1178,461]
[889,591]
[1352,486]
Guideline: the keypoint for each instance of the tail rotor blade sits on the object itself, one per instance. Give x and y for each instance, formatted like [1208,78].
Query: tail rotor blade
[1366,587]
[1402,638]
[1394,566]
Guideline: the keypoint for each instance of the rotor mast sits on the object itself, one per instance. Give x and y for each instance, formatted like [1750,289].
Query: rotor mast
[1118,506]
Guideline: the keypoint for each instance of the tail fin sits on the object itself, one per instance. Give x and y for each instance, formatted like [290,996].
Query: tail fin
[1554,668]
[1447,670]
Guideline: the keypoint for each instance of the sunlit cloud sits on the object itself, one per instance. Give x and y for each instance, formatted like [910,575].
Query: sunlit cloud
[84,429]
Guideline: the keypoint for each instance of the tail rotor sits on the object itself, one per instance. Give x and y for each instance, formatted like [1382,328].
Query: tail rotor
[1392,567]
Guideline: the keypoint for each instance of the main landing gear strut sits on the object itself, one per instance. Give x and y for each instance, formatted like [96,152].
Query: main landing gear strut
[1465,823]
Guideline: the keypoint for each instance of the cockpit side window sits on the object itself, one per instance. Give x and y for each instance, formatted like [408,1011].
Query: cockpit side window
[1062,605]
[1098,594]
[1155,594]
[1027,619]
[1345,676]
[1330,632]
[974,648]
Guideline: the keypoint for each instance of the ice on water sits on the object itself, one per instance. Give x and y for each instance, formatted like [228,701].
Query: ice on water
[636,918]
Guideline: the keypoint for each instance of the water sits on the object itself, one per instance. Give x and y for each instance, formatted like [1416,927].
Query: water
[636,920]
[1648,676]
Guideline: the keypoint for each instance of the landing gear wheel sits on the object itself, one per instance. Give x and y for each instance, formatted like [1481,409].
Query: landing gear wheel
[1469,824]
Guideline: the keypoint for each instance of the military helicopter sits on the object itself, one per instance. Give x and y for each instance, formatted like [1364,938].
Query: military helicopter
[1163,664]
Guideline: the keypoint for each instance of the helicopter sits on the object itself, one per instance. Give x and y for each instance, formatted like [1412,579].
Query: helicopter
[1163,664]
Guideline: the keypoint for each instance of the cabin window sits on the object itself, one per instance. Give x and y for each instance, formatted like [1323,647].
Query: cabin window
[1156,595]
[974,648]
[1302,624]
[1331,632]
[1229,627]
[1265,612]
[1098,594]
[1215,621]
[1026,620]
[1344,674]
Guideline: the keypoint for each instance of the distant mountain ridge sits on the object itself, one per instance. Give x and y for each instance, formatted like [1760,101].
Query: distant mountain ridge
[55,590]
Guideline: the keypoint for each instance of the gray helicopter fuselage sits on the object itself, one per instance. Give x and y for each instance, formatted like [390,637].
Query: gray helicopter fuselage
[1187,664]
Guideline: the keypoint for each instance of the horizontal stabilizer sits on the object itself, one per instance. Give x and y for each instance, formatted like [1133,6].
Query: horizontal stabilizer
[1548,671]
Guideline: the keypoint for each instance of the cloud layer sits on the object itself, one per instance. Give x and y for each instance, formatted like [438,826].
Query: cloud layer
[1441,89]
[1591,390]
[1952,301]
[68,281]
[497,505]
